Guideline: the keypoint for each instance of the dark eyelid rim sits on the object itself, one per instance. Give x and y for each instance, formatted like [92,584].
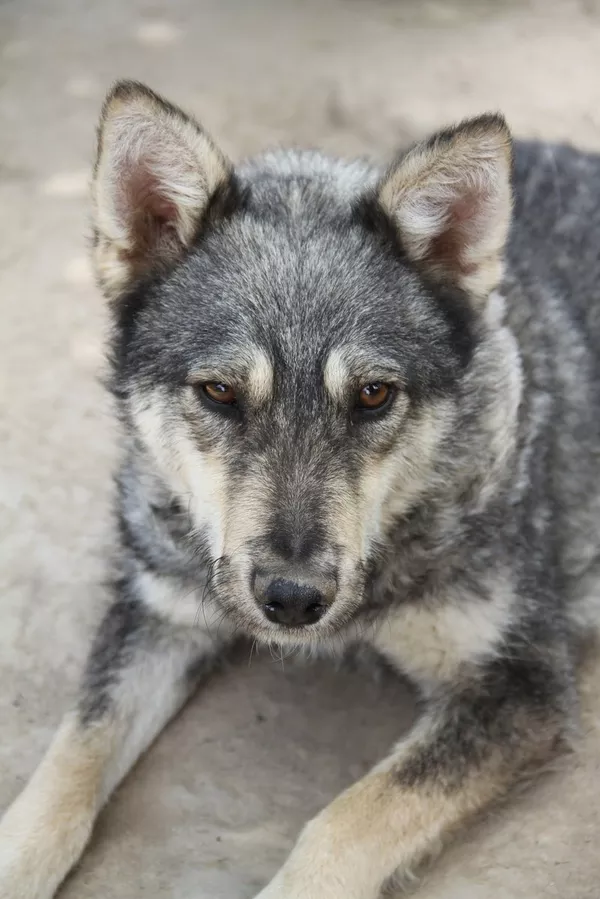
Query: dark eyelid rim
[362,413]
[226,410]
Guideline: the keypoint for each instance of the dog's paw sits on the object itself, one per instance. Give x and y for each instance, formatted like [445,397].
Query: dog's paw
[35,854]
[21,871]
[17,877]
[317,868]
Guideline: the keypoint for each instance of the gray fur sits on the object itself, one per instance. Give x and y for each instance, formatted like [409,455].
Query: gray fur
[483,564]
[297,271]
[298,284]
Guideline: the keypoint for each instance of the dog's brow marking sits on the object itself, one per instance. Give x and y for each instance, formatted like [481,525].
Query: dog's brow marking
[260,376]
[335,375]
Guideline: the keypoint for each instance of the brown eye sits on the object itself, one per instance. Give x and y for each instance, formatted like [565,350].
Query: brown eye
[220,393]
[373,396]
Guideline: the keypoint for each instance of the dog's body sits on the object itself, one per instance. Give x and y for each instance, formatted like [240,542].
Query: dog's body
[336,430]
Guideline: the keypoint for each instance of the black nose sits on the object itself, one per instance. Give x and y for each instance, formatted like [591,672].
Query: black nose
[285,602]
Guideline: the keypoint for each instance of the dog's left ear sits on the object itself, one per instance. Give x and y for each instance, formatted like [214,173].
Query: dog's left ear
[450,200]
[155,175]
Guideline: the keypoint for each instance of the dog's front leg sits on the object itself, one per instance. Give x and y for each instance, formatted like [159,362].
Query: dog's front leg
[467,751]
[139,673]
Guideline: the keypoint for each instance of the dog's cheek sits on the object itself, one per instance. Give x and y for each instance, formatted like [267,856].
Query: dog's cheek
[391,485]
[196,477]
[204,477]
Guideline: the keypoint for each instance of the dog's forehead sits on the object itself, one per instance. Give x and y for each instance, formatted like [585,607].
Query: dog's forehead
[297,294]
[295,266]
[296,273]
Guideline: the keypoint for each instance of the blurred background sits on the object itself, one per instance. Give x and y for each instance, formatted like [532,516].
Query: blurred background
[214,808]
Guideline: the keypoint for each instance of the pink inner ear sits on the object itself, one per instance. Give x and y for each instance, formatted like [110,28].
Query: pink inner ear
[465,208]
[462,228]
[162,210]
[142,199]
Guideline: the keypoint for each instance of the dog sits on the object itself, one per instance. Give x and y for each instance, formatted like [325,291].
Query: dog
[357,405]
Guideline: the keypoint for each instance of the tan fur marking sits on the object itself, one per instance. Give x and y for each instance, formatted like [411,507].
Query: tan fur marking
[378,828]
[197,478]
[45,831]
[389,487]
[260,377]
[336,375]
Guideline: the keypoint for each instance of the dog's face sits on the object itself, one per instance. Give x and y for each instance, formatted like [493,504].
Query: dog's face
[292,337]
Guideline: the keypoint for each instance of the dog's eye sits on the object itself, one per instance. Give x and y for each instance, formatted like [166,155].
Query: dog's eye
[220,393]
[373,397]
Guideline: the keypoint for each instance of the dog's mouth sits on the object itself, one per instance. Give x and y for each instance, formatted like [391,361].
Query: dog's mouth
[288,610]
[334,627]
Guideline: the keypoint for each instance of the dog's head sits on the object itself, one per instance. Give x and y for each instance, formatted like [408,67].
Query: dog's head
[293,338]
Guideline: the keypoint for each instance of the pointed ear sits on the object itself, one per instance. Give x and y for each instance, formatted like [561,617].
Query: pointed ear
[155,175]
[449,199]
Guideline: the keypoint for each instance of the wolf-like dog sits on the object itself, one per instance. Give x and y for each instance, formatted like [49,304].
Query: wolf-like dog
[357,404]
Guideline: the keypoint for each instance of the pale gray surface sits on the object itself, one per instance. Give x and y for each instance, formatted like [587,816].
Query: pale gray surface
[213,808]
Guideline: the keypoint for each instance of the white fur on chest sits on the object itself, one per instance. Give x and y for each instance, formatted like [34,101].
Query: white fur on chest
[184,607]
[429,643]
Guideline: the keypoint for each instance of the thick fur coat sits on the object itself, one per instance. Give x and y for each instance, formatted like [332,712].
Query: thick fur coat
[356,405]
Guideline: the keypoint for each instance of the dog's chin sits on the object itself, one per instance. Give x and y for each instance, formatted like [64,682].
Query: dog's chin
[308,636]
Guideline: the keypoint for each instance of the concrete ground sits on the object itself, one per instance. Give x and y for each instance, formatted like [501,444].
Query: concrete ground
[213,808]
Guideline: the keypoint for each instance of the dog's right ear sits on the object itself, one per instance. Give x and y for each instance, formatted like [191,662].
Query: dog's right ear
[449,199]
[156,172]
